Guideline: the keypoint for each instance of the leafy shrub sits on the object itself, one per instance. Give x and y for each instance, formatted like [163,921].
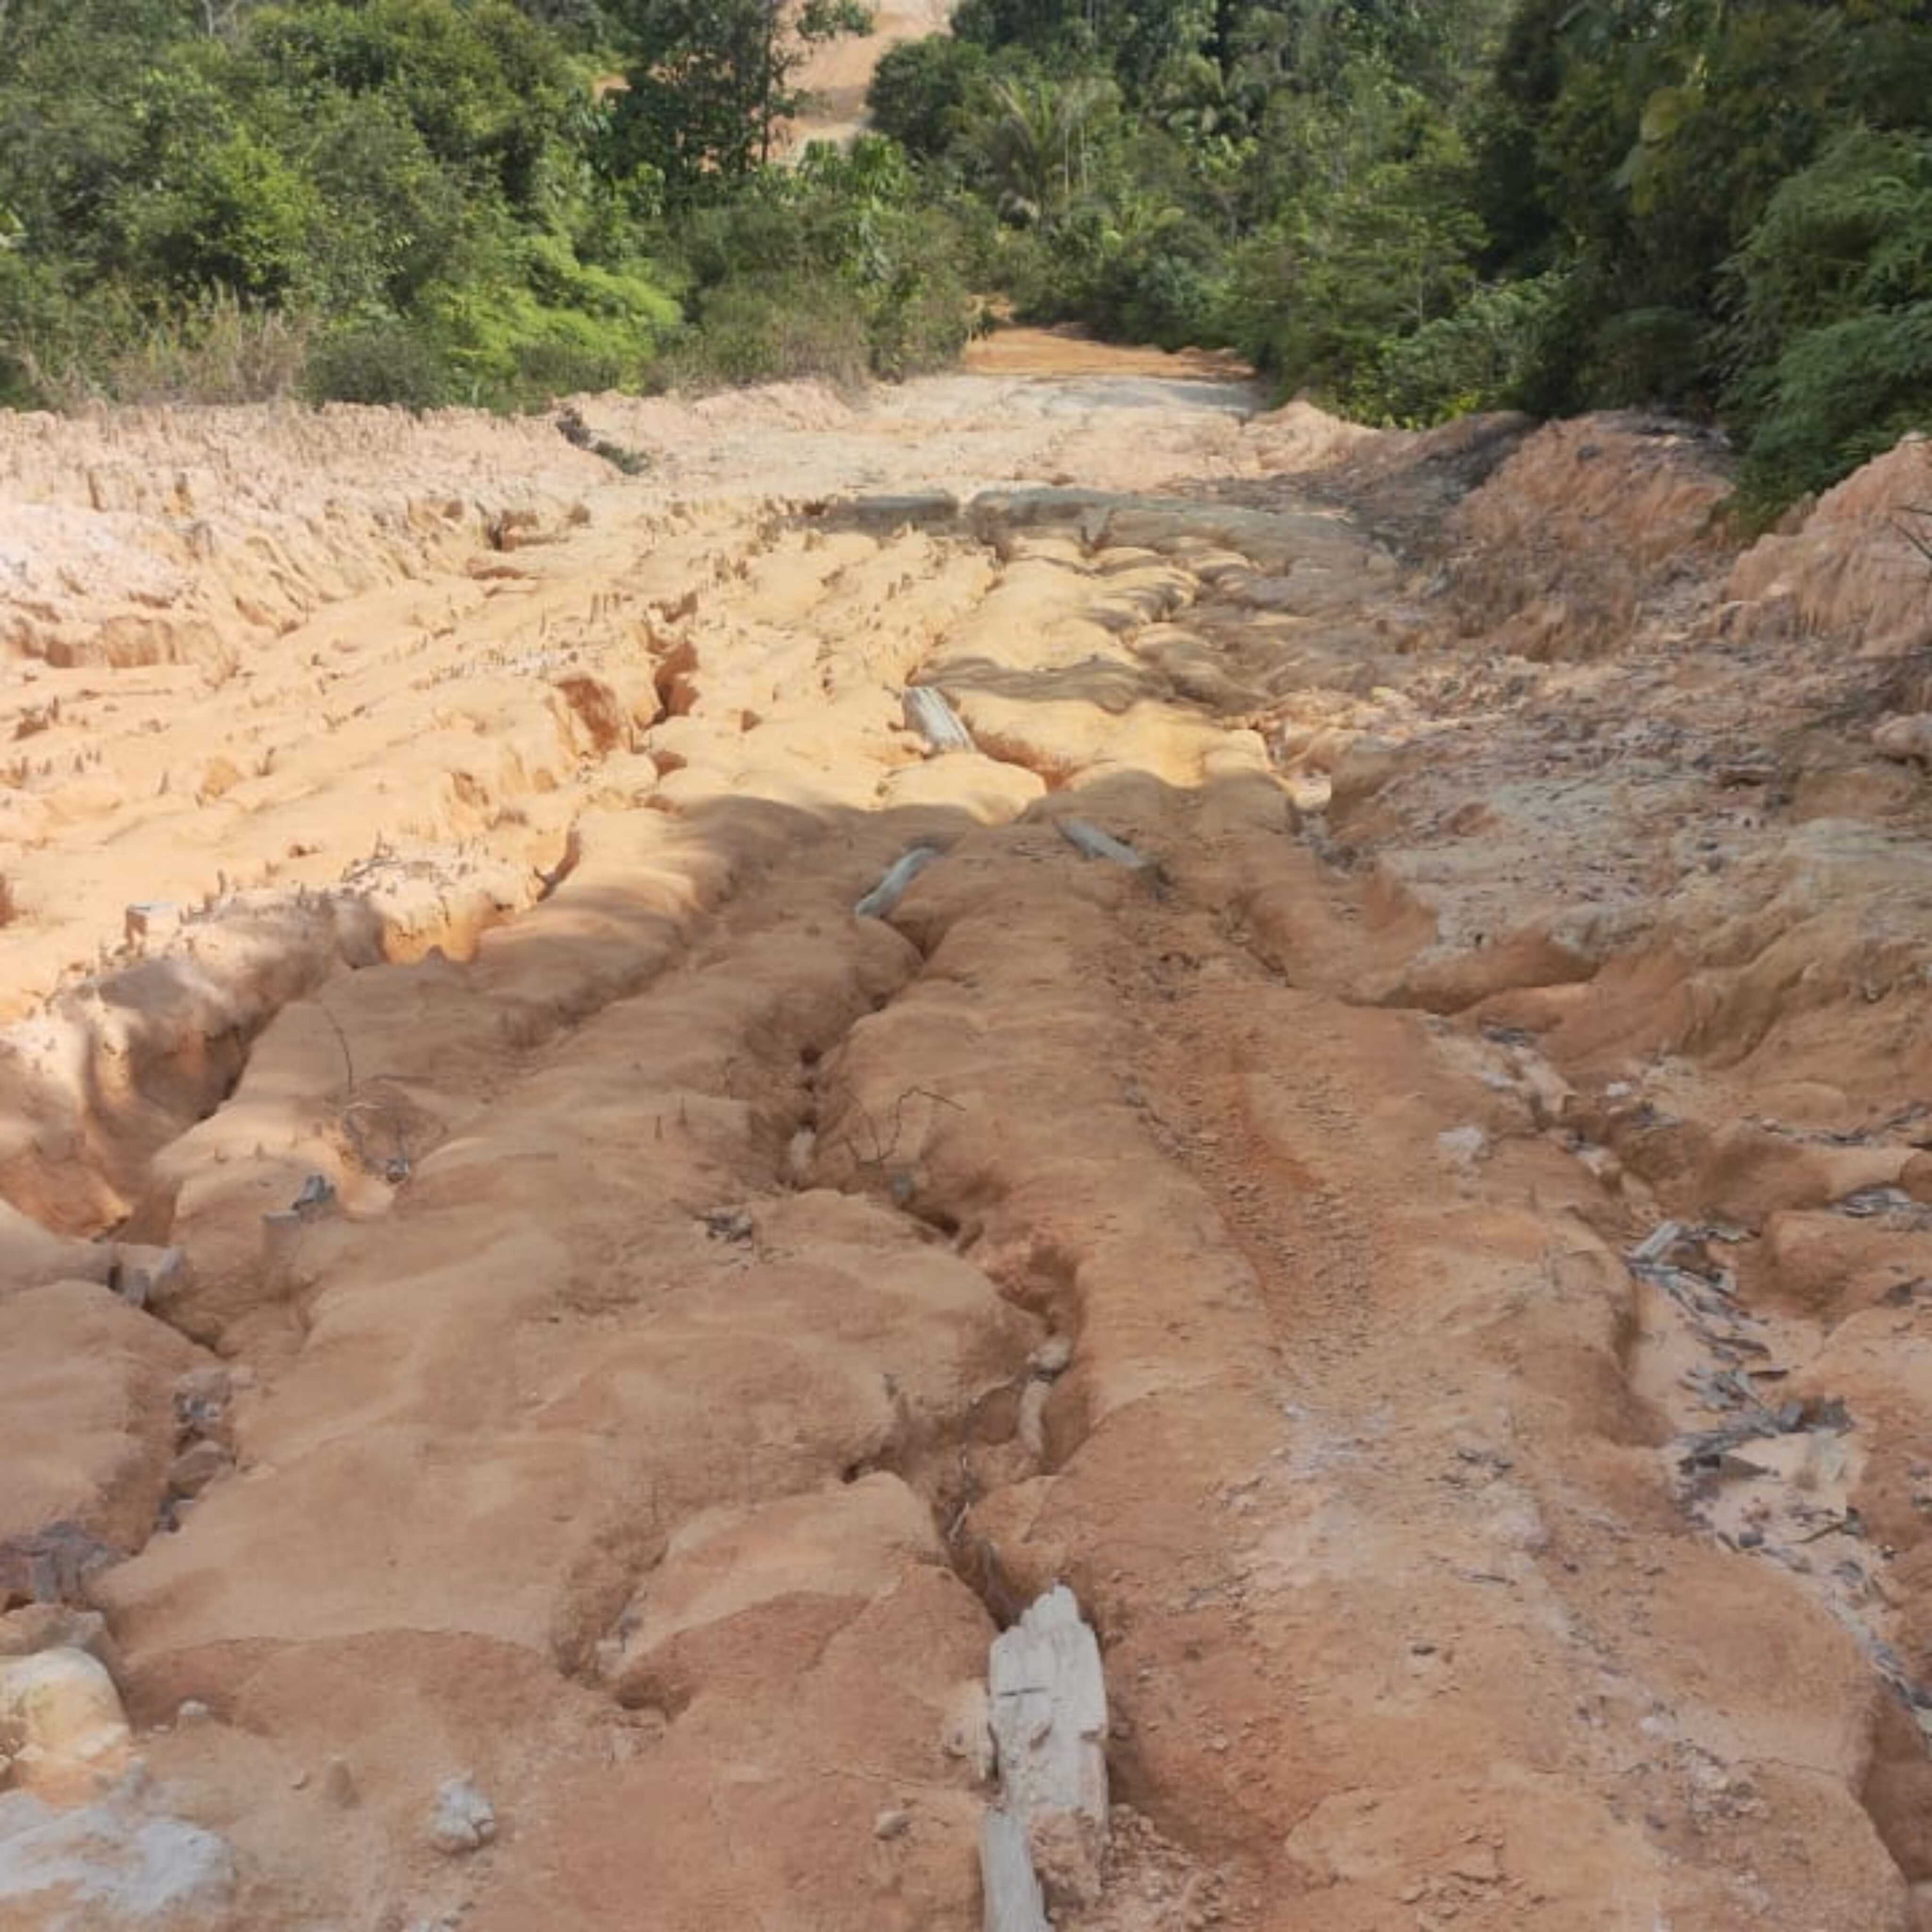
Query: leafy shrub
[386,361]
[1838,396]
[786,327]
[919,90]
[1479,357]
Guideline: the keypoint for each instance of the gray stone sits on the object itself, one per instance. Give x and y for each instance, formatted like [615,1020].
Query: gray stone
[464,1820]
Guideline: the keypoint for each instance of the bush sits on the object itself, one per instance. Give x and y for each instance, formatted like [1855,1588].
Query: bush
[919,92]
[1168,285]
[1478,357]
[1839,395]
[387,361]
[786,327]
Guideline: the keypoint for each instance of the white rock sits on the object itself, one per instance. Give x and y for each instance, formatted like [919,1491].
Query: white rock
[1052,1356]
[464,1820]
[59,1713]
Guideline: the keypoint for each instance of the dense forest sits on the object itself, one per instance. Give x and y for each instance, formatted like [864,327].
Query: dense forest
[1407,208]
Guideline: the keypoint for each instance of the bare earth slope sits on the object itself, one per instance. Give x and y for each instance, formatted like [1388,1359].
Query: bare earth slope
[539,1347]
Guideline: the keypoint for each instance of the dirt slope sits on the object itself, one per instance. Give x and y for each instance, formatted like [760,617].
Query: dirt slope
[553,1345]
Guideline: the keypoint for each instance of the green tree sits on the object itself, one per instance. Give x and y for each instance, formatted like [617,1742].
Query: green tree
[920,90]
[709,81]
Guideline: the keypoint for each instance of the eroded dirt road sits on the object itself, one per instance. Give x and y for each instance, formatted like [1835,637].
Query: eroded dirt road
[511,1280]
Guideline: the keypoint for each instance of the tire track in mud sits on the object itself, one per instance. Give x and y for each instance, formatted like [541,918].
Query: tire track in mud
[776,1301]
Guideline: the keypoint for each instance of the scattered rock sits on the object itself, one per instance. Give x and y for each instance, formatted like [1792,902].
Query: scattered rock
[892,1824]
[464,1820]
[193,1712]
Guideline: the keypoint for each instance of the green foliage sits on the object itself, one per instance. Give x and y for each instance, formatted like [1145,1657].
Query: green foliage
[1831,326]
[1739,194]
[404,200]
[1477,356]
[710,80]
[836,268]
[919,91]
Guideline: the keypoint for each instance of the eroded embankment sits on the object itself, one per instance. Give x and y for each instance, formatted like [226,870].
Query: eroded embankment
[1430,1256]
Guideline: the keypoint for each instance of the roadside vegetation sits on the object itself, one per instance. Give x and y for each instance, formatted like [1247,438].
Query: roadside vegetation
[1405,208]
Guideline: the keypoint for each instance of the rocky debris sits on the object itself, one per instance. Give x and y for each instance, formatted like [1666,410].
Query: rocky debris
[463,1819]
[928,712]
[1048,1704]
[53,1626]
[880,901]
[201,1398]
[114,1865]
[60,1717]
[729,1224]
[51,1565]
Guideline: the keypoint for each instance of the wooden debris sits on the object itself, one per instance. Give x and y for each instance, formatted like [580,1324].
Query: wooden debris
[1049,1713]
[928,712]
[899,874]
[1013,1902]
[1090,842]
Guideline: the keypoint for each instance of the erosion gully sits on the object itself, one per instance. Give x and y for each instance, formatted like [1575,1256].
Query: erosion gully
[655,1326]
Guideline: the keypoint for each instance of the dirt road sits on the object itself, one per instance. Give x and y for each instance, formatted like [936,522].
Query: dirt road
[1381,1142]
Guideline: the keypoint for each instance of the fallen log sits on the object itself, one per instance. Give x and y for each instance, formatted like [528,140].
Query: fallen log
[1049,1715]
